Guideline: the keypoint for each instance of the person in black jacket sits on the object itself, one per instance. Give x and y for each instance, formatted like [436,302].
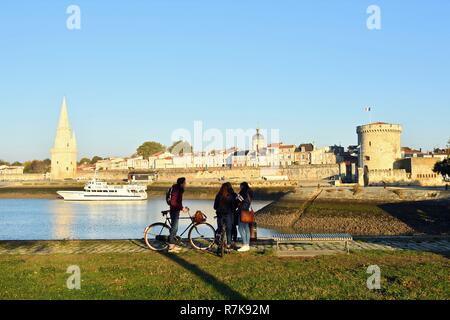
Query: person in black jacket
[176,205]
[224,205]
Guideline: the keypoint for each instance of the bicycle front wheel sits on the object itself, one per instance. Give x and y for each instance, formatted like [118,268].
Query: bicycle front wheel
[201,236]
[156,236]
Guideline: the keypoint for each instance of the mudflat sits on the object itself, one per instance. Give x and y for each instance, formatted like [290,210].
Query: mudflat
[392,213]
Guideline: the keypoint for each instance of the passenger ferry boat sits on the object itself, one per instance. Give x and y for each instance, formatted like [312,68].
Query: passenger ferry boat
[96,190]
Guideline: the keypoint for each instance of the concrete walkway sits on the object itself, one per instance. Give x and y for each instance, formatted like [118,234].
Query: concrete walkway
[438,245]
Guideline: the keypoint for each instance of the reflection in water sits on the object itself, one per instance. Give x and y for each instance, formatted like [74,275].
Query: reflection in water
[35,219]
[63,219]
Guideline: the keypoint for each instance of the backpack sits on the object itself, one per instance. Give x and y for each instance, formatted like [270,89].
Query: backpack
[169,196]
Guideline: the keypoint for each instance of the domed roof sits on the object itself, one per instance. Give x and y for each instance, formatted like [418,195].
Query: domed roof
[258,142]
[258,136]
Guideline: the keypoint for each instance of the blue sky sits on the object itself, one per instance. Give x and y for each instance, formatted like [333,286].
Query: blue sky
[137,70]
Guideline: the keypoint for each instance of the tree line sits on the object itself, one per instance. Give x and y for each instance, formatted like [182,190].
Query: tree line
[33,166]
[150,148]
[443,167]
[44,166]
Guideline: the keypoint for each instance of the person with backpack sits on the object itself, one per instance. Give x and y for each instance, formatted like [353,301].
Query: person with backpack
[224,205]
[174,198]
[245,197]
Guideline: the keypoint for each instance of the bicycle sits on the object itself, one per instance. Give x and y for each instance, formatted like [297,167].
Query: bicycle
[201,234]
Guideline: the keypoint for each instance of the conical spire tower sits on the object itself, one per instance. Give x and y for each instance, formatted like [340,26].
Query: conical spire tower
[64,151]
[63,116]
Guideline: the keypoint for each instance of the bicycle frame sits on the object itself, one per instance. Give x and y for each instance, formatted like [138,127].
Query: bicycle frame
[169,222]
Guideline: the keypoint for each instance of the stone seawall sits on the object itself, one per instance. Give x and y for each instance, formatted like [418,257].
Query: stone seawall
[293,173]
[402,177]
[22,177]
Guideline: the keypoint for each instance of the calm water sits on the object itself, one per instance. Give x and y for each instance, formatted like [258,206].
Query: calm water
[43,219]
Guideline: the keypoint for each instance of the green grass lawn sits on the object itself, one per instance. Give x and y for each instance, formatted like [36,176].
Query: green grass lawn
[193,275]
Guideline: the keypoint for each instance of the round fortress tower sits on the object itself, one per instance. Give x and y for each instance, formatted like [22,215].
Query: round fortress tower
[379,145]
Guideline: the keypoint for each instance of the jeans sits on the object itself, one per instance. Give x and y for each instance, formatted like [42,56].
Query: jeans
[234,229]
[226,218]
[174,218]
[244,230]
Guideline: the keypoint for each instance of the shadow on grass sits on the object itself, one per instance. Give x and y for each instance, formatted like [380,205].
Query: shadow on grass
[426,217]
[218,285]
[432,244]
[139,243]
[31,246]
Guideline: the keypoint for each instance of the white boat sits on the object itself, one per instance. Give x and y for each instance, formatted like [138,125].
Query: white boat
[96,190]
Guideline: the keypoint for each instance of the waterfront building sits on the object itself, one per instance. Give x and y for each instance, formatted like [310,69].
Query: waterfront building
[111,164]
[137,163]
[323,156]
[184,160]
[161,160]
[273,151]
[407,152]
[302,154]
[286,154]
[11,170]
[240,158]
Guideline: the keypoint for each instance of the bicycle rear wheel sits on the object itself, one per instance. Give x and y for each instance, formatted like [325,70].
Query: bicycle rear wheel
[202,236]
[156,236]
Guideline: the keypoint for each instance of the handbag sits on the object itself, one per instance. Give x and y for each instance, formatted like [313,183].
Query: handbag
[199,217]
[247,216]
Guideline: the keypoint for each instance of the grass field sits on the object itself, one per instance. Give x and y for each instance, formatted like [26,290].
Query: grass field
[193,275]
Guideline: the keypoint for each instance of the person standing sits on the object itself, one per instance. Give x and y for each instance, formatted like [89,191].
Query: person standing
[224,204]
[175,201]
[235,215]
[245,198]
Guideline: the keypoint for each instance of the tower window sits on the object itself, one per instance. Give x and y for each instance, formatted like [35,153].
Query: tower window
[370,143]
[67,168]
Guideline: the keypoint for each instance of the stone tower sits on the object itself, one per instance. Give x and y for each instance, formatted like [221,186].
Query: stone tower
[379,145]
[64,151]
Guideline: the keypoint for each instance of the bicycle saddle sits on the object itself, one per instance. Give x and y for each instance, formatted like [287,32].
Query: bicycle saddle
[165,212]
